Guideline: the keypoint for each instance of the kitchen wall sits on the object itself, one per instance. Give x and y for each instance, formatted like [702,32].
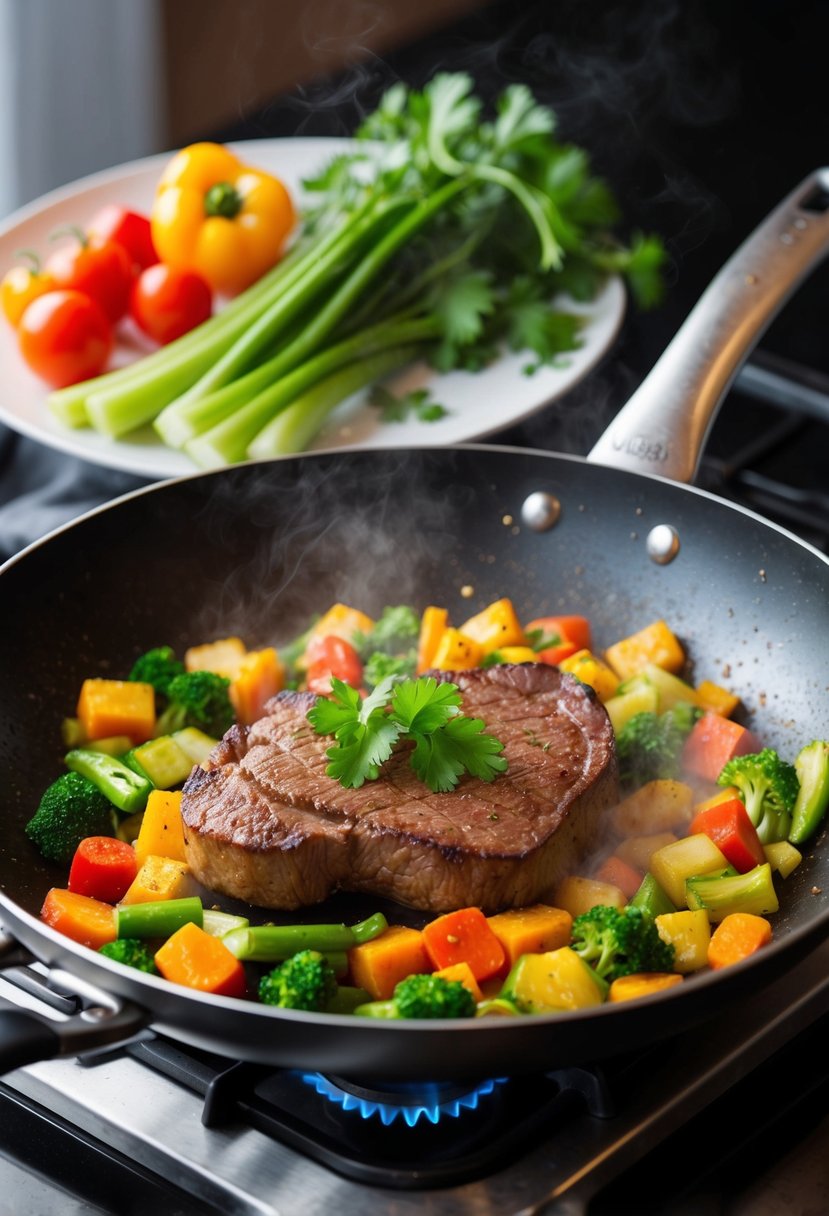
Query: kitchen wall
[87,84]
[224,58]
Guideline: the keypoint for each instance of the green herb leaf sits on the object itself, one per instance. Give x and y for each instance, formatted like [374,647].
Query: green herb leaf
[422,711]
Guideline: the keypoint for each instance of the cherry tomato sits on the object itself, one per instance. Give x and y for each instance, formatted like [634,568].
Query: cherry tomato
[128,229]
[65,337]
[20,286]
[100,269]
[165,302]
[332,656]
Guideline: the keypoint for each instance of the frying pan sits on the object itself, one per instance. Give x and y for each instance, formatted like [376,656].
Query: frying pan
[256,549]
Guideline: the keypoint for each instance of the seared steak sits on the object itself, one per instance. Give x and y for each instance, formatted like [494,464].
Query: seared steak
[265,824]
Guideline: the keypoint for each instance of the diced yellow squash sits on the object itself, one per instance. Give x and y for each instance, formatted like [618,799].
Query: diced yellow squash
[456,652]
[195,744]
[718,700]
[222,657]
[689,933]
[259,676]
[531,930]
[658,806]
[690,857]
[433,625]
[670,688]
[113,745]
[656,643]
[161,833]
[495,627]
[646,983]
[552,982]
[160,878]
[117,707]
[638,850]
[591,670]
[782,857]
[623,706]
[163,761]
[576,895]
[518,654]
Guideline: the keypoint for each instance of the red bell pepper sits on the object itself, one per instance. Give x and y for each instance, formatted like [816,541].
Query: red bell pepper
[575,629]
[728,825]
[103,868]
[714,741]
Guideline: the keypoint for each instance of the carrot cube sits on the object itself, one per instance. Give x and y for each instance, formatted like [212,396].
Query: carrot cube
[736,937]
[87,921]
[464,936]
[382,963]
[433,625]
[199,960]
[714,741]
[259,677]
[645,983]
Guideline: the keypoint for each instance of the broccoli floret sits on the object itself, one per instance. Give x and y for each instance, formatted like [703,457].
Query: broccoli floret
[132,953]
[768,786]
[423,996]
[390,648]
[304,981]
[649,745]
[70,809]
[394,631]
[157,667]
[200,699]
[380,666]
[620,941]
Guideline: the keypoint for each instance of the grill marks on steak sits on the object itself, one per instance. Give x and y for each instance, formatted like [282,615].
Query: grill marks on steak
[264,823]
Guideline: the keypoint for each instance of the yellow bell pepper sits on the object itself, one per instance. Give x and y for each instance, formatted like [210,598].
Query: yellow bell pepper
[214,215]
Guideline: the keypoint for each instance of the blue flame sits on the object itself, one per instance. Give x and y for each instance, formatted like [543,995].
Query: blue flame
[410,1113]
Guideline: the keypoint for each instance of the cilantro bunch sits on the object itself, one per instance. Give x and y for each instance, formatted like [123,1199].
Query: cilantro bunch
[444,232]
[423,712]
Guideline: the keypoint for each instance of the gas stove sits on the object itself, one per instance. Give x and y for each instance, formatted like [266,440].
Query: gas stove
[154,1126]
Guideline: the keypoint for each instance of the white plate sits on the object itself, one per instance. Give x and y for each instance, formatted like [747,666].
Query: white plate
[478,404]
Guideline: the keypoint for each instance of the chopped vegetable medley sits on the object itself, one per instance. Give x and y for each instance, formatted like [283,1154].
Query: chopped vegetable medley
[694,861]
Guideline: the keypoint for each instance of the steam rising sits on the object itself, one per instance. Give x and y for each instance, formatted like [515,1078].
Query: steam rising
[310,539]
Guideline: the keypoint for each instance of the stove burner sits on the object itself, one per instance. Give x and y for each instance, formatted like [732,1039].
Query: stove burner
[408,1103]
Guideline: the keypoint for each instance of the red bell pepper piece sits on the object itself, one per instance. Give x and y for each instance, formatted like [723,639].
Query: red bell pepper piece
[103,868]
[553,655]
[714,741]
[728,825]
[575,629]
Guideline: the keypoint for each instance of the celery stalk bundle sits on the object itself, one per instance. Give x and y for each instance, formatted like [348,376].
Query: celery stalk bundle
[436,235]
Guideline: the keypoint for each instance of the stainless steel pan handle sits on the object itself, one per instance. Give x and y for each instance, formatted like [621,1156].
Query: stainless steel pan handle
[664,426]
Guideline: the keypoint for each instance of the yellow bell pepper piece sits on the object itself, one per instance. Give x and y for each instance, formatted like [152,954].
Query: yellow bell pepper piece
[456,652]
[653,644]
[224,657]
[495,627]
[657,806]
[216,216]
[591,670]
[160,878]
[161,833]
[518,654]
[719,700]
[576,895]
[433,625]
[117,707]
[690,934]
[260,676]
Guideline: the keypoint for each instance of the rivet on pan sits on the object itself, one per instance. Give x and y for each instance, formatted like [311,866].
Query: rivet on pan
[662,544]
[541,511]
